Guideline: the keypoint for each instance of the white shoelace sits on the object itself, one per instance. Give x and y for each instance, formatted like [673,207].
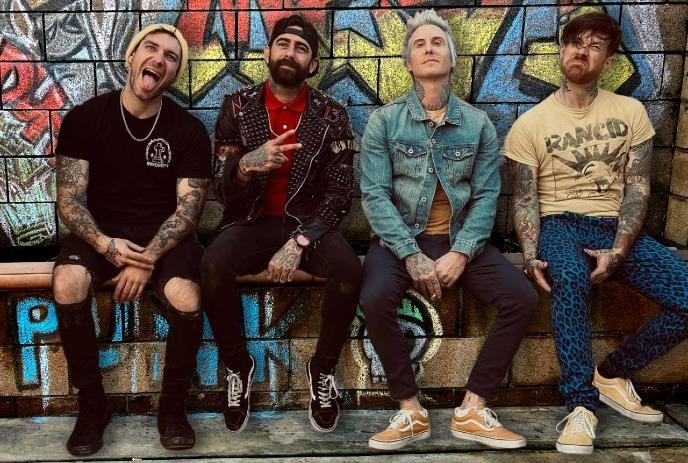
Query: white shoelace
[632,394]
[401,418]
[580,421]
[234,389]
[490,417]
[327,390]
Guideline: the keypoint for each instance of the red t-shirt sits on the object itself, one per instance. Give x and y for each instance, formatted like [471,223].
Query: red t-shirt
[283,117]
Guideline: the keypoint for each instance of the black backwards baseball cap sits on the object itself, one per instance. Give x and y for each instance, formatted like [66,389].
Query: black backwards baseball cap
[291,25]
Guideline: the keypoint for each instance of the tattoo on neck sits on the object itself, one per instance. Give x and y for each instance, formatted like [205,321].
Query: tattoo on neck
[565,85]
[592,91]
[442,99]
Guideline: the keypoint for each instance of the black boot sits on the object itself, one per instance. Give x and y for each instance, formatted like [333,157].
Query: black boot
[94,416]
[183,341]
[78,336]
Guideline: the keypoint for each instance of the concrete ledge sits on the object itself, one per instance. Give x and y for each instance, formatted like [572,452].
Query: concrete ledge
[288,434]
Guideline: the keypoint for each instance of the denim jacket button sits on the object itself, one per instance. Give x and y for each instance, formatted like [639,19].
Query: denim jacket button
[431,170]
[410,151]
[417,225]
[434,141]
[423,199]
[431,124]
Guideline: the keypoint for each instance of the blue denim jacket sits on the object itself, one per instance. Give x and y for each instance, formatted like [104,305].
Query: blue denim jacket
[404,154]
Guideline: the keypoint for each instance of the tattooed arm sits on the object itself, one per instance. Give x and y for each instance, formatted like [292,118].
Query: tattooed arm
[631,214]
[191,194]
[72,183]
[525,210]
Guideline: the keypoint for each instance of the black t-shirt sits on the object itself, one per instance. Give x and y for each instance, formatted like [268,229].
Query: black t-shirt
[134,183]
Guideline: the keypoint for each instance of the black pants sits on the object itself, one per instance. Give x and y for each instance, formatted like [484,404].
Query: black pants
[77,330]
[247,249]
[488,276]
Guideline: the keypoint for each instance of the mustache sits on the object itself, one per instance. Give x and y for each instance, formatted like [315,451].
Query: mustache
[287,62]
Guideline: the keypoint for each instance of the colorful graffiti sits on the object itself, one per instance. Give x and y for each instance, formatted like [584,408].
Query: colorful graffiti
[56,54]
[131,335]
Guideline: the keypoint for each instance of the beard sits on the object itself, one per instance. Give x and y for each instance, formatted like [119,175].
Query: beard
[579,73]
[287,72]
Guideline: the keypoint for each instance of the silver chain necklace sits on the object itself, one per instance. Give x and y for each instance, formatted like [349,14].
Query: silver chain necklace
[124,119]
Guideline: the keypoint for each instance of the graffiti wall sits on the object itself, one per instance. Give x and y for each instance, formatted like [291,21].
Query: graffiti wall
[55,54]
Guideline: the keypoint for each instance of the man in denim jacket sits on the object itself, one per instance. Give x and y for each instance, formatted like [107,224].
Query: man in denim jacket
[430,182]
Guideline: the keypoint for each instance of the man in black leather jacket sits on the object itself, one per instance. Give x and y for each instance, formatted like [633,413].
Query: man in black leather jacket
[284,173]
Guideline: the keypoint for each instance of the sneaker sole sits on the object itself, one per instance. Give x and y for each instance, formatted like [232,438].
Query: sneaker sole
[490,442]
[315,425]
[379,445]
[631,414]
[575,449]
[248,409]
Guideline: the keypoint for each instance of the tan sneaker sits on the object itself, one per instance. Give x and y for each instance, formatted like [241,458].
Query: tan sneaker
[579,432]
[619,394]
[405,427]
[481,425]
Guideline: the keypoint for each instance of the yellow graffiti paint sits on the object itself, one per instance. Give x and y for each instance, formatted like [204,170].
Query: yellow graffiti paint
[253,66]
[475,33]
[543,63]
[392,31]
[205,66]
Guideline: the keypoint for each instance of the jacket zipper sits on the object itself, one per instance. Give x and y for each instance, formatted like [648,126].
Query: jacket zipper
[303,182]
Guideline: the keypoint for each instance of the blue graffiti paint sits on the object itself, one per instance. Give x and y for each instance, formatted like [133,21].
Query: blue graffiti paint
[160,326]
[207,362]
[109,356]
[251,315]
[36,318]
[361,21]
[257,36]
[155,366]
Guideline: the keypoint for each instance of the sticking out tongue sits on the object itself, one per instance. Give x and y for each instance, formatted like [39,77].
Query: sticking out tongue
[148,82]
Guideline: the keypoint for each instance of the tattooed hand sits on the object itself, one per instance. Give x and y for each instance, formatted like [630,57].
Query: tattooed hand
[422,271]
[268,156]
[285,262]
[608,260]
[120,252]
[536,270]
[450,267]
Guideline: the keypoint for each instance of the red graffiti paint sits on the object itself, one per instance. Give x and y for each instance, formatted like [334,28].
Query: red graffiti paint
[30,87]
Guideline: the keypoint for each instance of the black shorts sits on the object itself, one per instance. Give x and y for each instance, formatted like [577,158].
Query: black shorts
[182,261]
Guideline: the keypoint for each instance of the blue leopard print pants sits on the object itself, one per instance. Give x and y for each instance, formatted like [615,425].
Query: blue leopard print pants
[651,269]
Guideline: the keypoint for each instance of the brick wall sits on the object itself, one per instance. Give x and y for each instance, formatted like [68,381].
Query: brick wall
[282,326]
[55,54]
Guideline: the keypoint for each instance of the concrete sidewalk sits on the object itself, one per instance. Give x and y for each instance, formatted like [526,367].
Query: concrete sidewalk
[287,436]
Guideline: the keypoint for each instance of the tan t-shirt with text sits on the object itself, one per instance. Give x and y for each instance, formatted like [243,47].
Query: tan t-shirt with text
[580,153]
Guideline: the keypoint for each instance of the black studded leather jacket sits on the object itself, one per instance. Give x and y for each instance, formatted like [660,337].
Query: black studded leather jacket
[321,179]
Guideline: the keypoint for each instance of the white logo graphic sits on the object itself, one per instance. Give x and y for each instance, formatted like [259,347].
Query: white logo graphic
[158,153]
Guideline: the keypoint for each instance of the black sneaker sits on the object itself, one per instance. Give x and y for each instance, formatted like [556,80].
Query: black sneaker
[175,430]
[238,400]
[87,436]
[326,403]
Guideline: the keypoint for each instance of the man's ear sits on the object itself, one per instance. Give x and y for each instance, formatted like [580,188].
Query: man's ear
[608,62]
[315,62]
[266,54]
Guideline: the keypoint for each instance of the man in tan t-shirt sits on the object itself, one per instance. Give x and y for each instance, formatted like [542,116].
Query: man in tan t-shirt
[579,164]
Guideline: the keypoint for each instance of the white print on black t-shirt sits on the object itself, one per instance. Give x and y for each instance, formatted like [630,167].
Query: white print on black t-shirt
[590,159]
[158,153]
